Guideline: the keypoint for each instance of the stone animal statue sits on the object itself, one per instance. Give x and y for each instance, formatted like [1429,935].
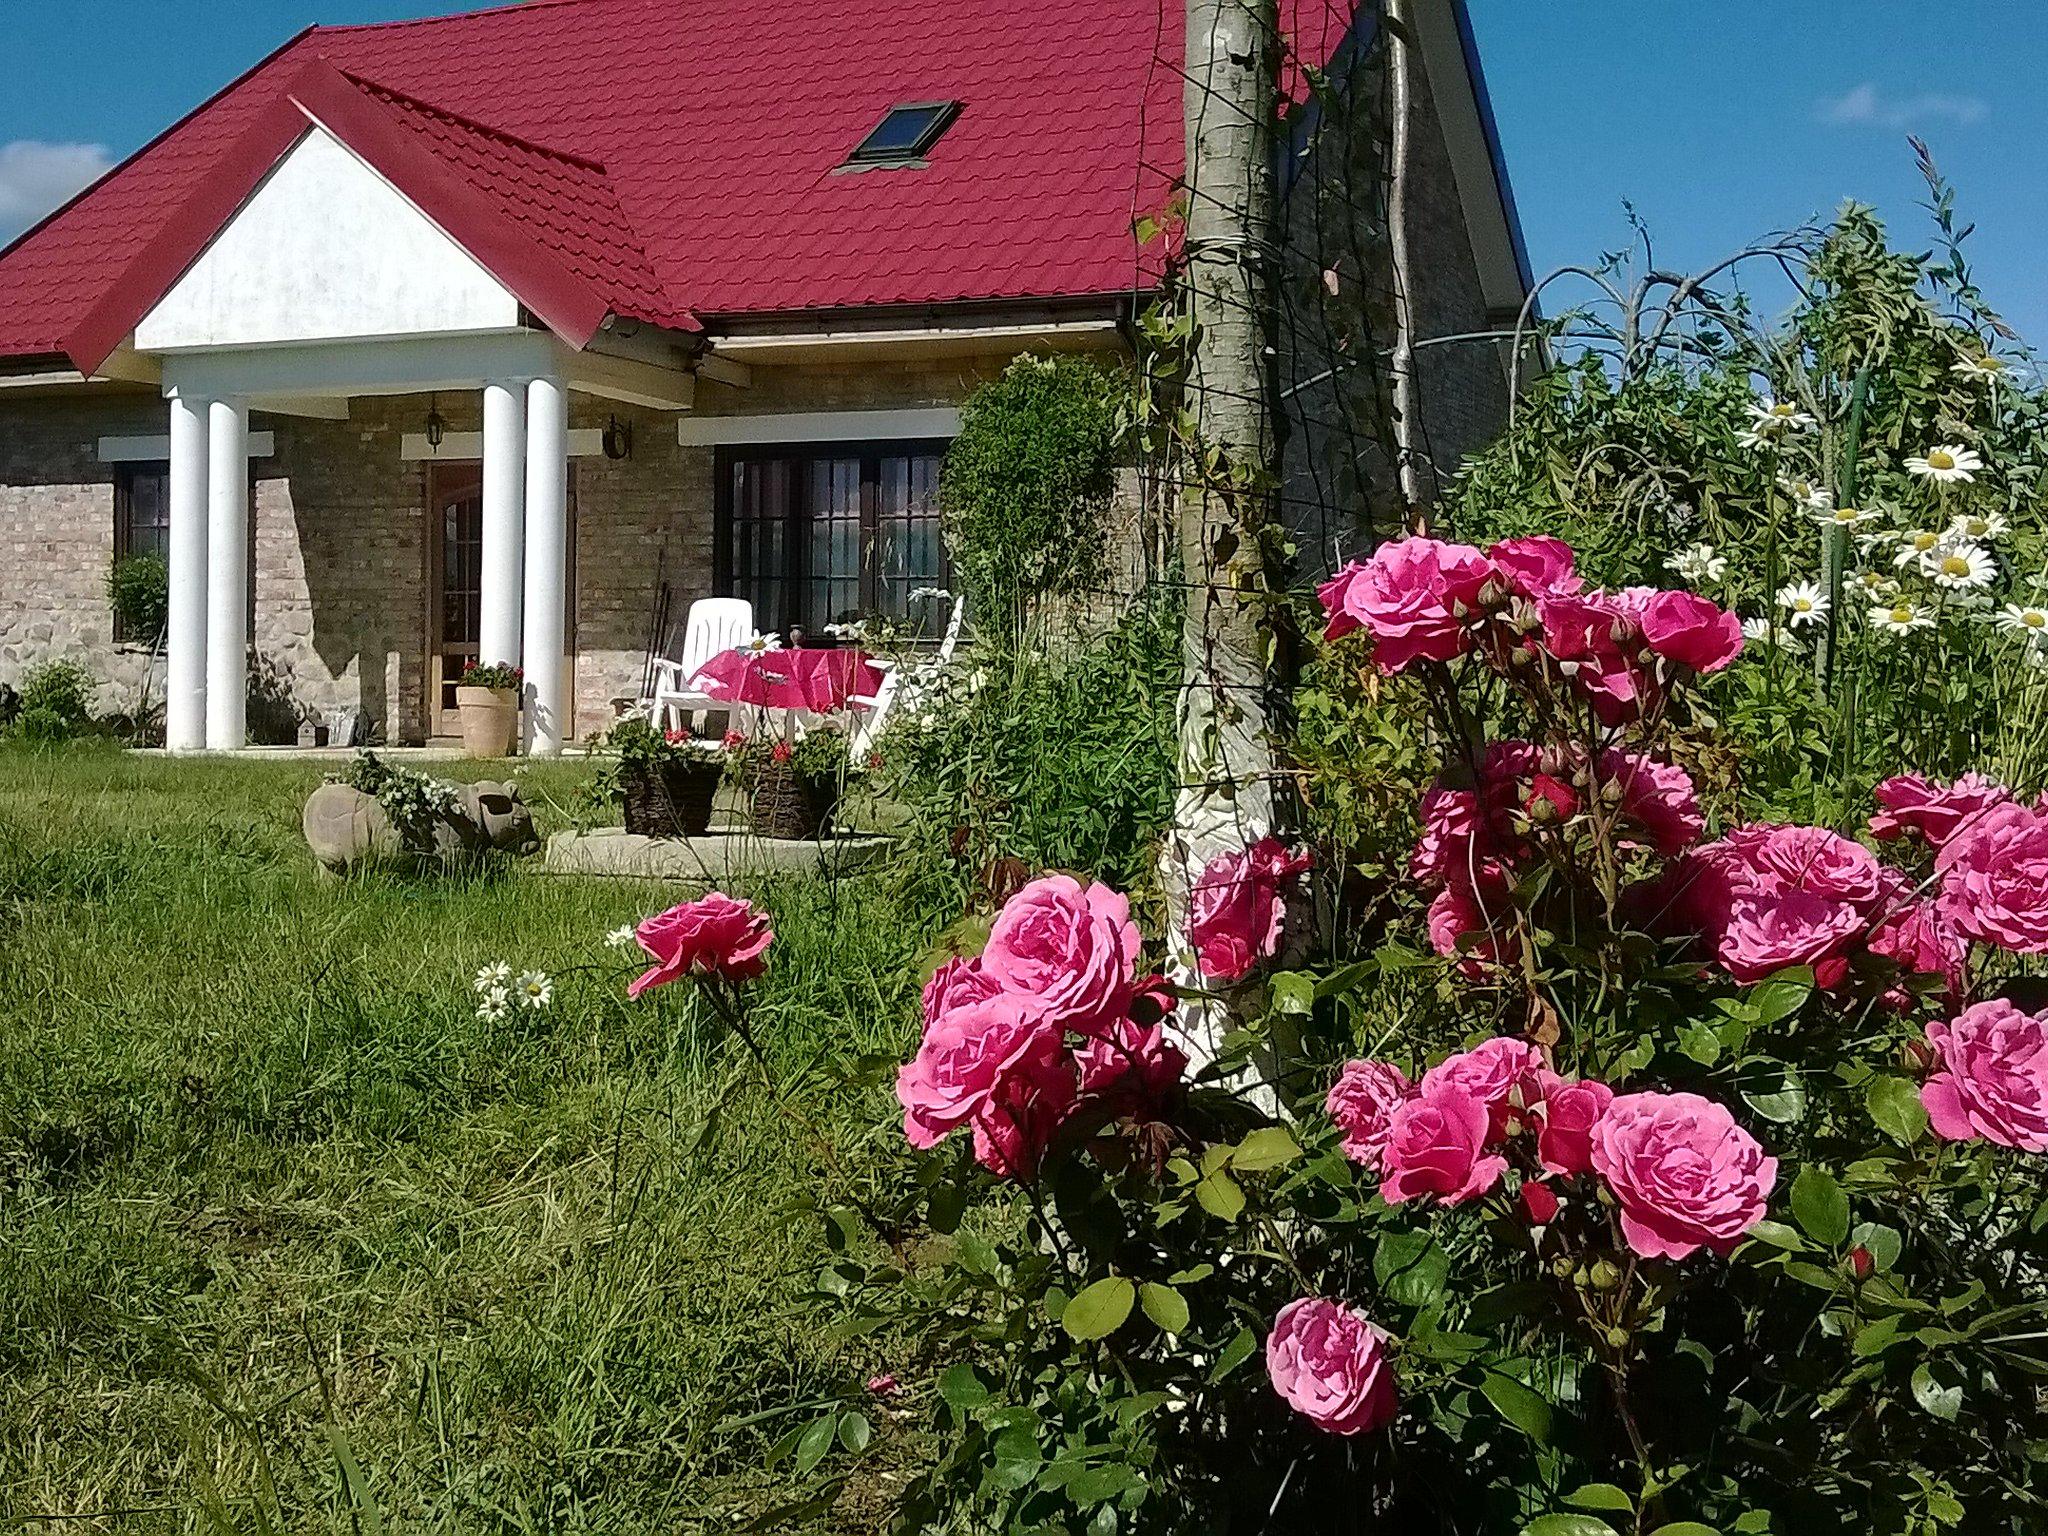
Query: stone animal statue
[349,830]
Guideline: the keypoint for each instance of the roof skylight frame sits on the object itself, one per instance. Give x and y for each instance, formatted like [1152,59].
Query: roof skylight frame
[938,117]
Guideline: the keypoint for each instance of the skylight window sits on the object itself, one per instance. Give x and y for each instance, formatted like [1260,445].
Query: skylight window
[905,133]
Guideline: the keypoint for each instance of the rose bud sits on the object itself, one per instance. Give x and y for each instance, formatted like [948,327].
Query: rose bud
[1539,1204]
[1860,1262]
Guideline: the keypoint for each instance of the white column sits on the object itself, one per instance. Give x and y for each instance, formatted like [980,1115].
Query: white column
[547,553]
[227,576]
[503,532]
[185,628]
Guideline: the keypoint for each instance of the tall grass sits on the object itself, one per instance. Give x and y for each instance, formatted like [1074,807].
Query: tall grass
[290,1239]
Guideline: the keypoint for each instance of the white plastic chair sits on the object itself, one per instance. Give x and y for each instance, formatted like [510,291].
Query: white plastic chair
[714,624]
[872,710]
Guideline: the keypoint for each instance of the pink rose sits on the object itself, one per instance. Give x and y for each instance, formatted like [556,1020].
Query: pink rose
[1017,1121]
[1461,910]
[1923,943]
[1689,631]
[1565,1118]
[1993,1077]
[1685,1175]
[1362,1103]
[1133,1065]
[1331,1365]
[1597,639]
[1538,566]
[1813,859]
[711,936]
[1416,597]
[1436,1145]
[958,981]
[1766,933]
[967,1053]
[1658,797]
[1073,948]
[1913,804]
[1502,1074]
[1994,878]
[1238,907]
[1455,844]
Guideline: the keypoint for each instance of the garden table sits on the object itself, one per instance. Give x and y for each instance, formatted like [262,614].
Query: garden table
[821,681]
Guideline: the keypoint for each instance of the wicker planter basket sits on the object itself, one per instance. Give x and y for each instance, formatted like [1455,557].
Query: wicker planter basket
[673,800]
[782,802]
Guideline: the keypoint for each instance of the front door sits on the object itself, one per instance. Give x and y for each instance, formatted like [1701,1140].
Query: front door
[455,520]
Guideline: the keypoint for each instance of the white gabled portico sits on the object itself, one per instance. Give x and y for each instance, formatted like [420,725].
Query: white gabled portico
[326,284]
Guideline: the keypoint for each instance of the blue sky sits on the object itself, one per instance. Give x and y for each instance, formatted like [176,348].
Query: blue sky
[1719,119]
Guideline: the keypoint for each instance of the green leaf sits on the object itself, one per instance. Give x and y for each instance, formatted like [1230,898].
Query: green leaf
[1778,1235]
[816,1441]
[1220,1196]
[1100,1309]
[1567,1525]
[1781,995]
[855,1431]
[961,1390]
[1601,1496]
[1165,1306]
[1895,1105]
[1520,1407]
[1700,1043]
[1268,1147]
[1938,1398]
[1778,1095]
[1411,1267]
[1819,1206]
[1235,1353]
[1685,1528]
[1292,991]
[1879,1336]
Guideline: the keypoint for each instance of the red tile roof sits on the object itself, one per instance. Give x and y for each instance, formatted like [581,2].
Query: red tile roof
[680,158]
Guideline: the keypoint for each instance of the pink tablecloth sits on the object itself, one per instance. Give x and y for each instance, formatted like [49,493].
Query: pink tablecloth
[818,680]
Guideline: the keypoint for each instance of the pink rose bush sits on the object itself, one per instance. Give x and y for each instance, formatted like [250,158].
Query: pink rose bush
[1685,1175]
[712,937]
[1239,906]
[1050,1019]
[1332,1366]
[1991,1077]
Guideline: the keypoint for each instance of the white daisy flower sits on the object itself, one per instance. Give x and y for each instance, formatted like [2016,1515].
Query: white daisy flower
[2024,619]
[1946,464]
[1847,517]
[1764,632]
[1978,367]
[1959,567]
[1874,583]
[534,989]
[496,1003]
[1697,563]
[1779,416]
[1900,618]
[1916,545]
[761,643]
[493,976]
[1978,527]
[1814,498]
[621,937]
[1804,603]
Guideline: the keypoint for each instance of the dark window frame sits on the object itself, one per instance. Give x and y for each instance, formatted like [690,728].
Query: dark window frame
[943,113]
[126,472]
[799,514]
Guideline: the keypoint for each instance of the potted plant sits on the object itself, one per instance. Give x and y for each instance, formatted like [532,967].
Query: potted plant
[667,779]
[792,784]
[488,697]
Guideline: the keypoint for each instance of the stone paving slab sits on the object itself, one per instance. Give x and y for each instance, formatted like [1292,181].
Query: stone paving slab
[718,855]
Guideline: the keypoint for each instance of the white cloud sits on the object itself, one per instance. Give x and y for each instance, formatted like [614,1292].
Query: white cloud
[1865,106]
[36,176]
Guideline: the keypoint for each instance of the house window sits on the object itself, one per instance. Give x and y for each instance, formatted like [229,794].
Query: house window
[827,533]
[905,133]
[142,519]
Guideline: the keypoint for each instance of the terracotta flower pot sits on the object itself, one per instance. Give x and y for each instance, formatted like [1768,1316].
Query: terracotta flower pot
[489,716]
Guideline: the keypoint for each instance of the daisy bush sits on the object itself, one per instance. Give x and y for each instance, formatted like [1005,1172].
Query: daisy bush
[1626,1163]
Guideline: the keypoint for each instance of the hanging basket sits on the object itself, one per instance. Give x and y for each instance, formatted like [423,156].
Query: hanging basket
[781,802]
[672,799]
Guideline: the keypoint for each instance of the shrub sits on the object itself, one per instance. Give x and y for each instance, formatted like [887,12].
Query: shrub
[138,590]
[59,694]
[497,674]
[1027,485]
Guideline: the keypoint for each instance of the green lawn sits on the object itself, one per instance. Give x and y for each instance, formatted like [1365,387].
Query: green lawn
[290,1240]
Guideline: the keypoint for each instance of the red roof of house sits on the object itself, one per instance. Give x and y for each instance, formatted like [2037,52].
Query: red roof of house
[676,161]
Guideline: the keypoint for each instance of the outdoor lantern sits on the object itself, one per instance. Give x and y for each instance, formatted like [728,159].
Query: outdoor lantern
[436,427]
[618,440]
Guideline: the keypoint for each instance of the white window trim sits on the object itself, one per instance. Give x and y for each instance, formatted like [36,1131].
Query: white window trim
[819,426]
[584,443]
[141,450]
